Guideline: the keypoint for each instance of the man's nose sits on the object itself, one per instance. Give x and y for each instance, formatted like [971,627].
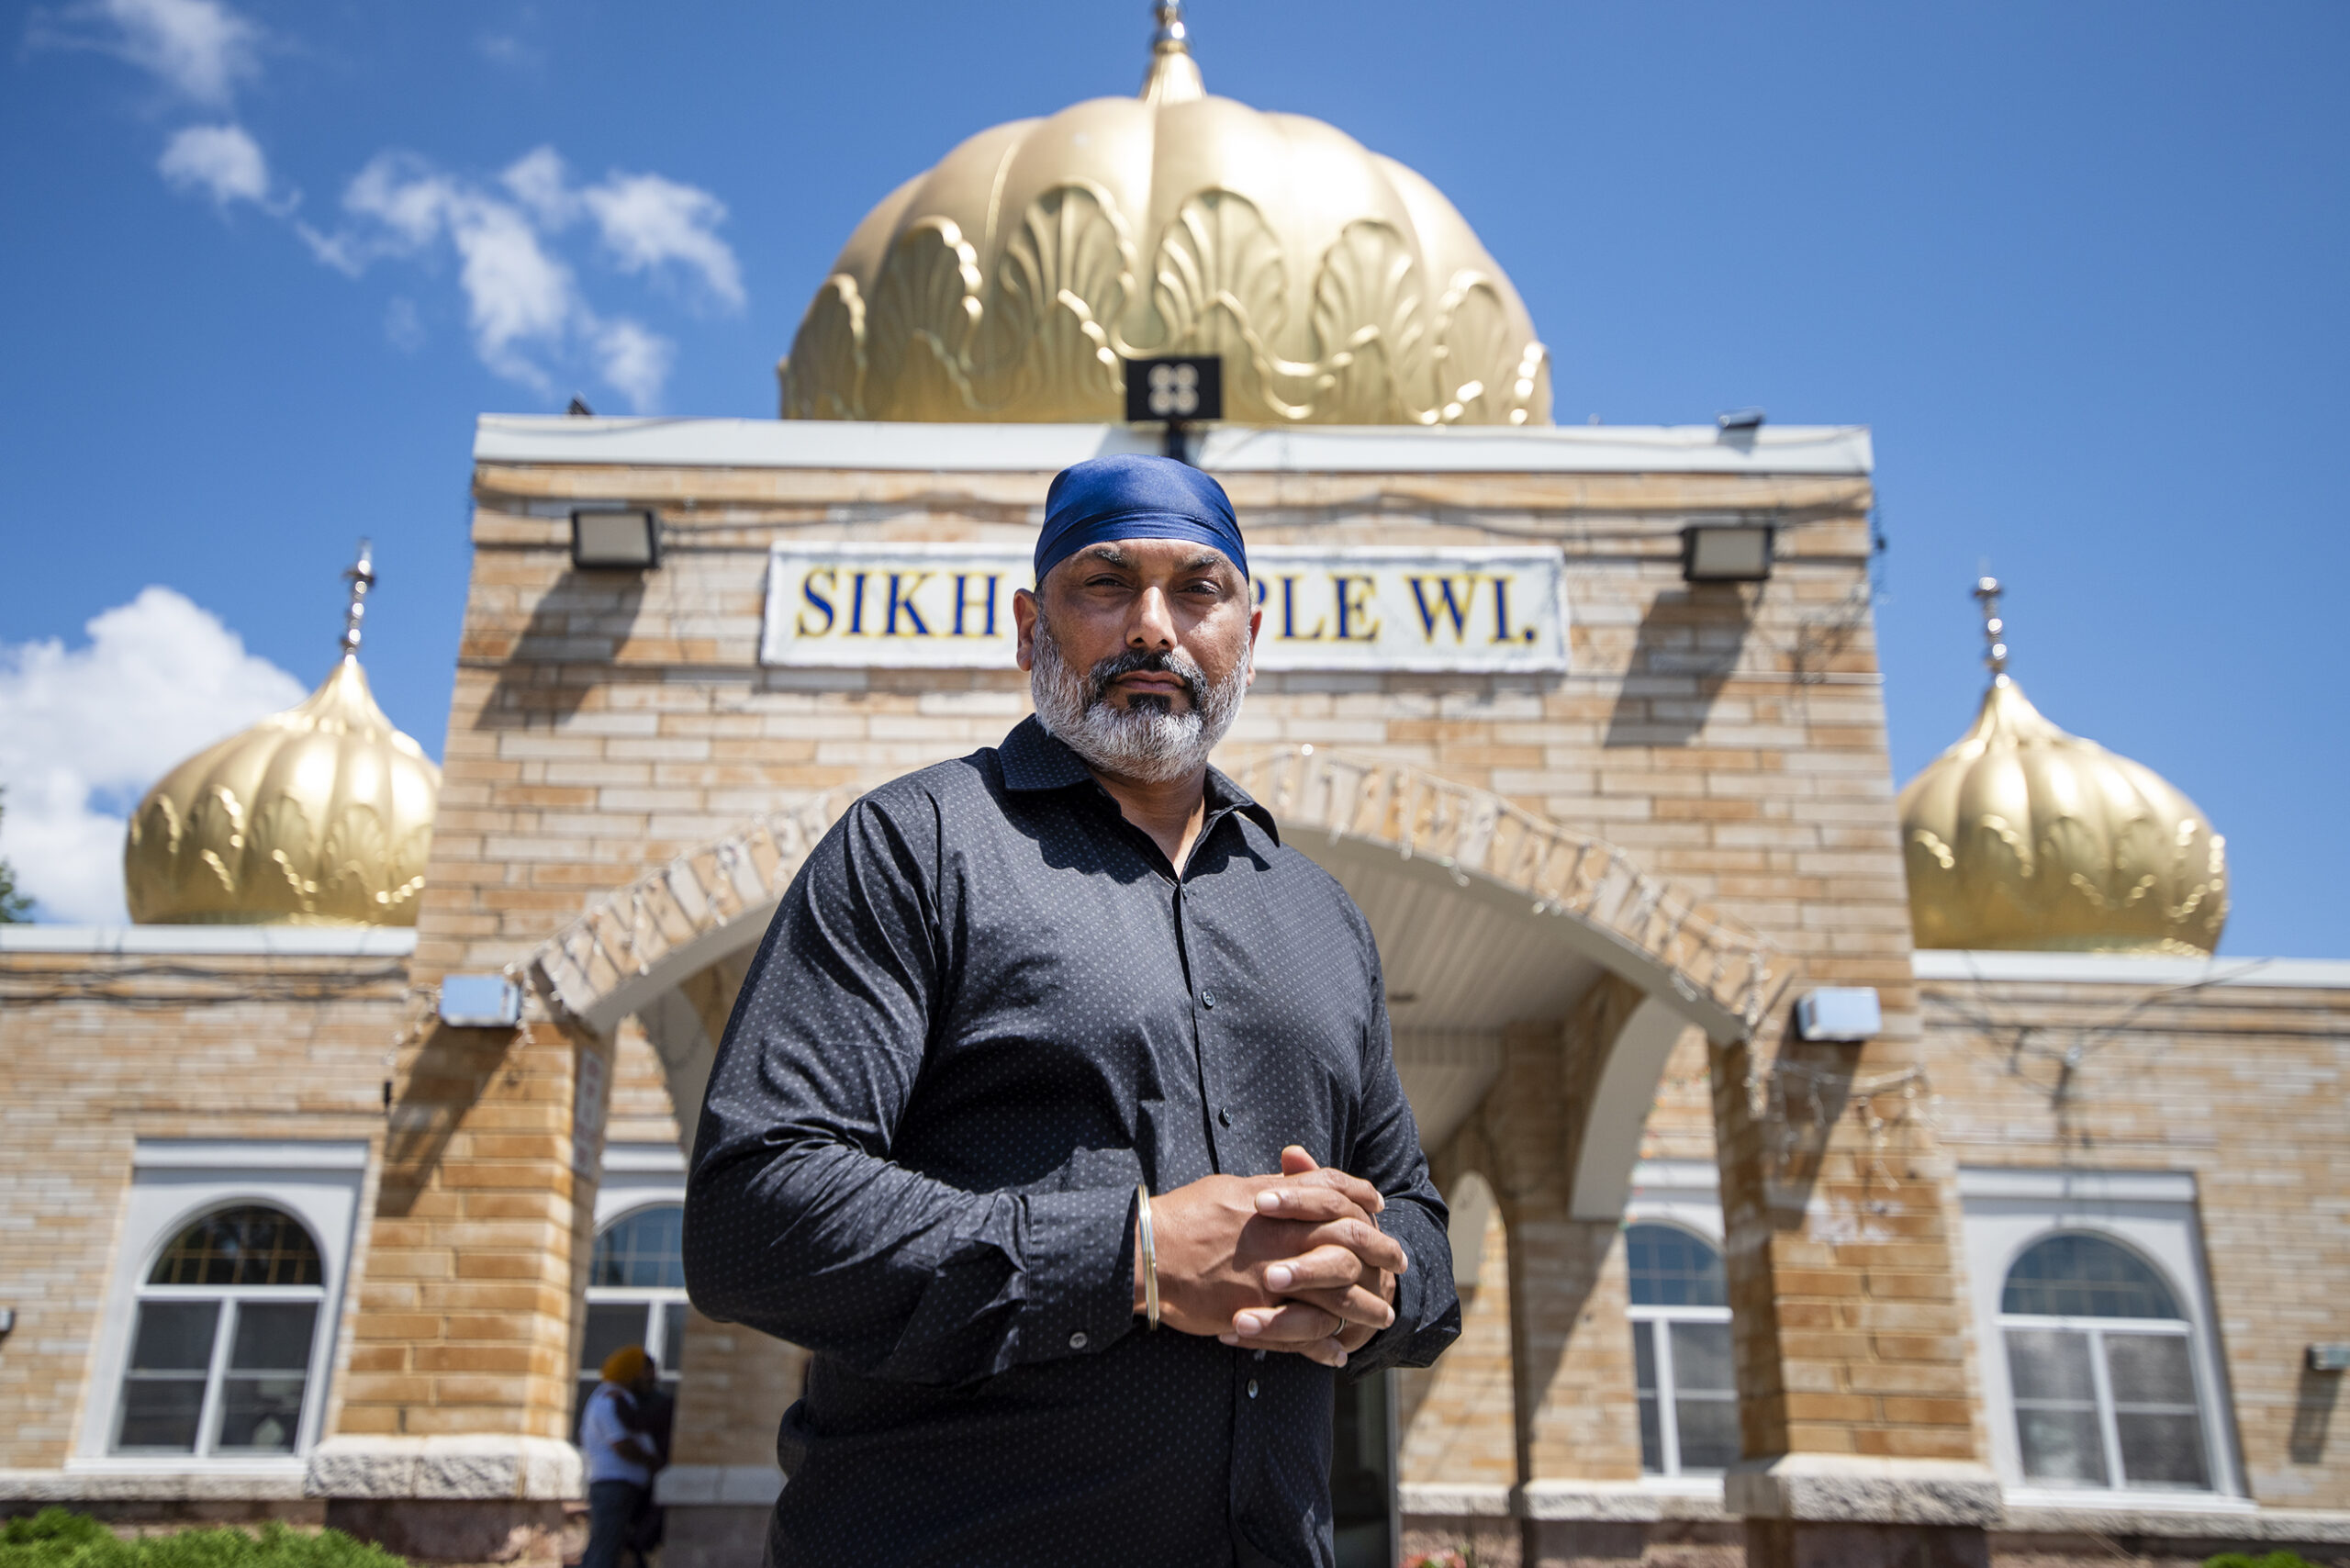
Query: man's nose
[1153,625]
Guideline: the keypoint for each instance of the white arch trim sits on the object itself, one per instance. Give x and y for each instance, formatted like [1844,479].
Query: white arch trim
[641,941]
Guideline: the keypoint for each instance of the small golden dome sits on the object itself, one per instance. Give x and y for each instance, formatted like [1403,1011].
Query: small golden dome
[1008,283]
[2024,836]
[320,815]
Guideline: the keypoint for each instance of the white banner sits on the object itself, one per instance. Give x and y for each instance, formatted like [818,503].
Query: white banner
[949,607]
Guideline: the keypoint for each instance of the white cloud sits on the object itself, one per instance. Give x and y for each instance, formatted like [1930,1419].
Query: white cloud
[523,302]
[84,728]
[541,181]
[648,223]
[200,49]
[633,360]
[220,161]
[519,298]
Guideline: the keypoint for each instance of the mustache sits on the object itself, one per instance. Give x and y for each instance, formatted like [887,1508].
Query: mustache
[1136,660]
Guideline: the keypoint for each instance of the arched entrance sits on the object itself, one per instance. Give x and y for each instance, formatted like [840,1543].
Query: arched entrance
[1496,928]
[1486,914]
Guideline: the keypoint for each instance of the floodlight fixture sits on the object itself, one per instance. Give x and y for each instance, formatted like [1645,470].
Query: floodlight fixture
[480,1002]
[612,540]
[1847,1013]
[1740,419]
[1730,552]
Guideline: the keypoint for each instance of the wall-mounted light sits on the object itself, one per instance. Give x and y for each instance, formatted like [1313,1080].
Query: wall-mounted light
[2333,1358]
[480,1002]
[603,540]
[1726,551]
[1840,1012]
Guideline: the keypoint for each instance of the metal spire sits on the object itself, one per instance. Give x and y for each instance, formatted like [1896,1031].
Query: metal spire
[361,575]
[1174,75]
[1994,640]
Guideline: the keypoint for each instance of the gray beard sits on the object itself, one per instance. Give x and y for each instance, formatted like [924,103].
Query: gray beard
[1147,742]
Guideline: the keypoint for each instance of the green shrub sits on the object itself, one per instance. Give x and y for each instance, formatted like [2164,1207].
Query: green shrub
[2225,1560]
[56,1539]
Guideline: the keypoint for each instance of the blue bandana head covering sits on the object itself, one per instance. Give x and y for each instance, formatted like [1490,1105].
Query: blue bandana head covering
[1135,497]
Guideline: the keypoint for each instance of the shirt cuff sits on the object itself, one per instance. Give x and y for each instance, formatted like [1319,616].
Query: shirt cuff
[1081,1266]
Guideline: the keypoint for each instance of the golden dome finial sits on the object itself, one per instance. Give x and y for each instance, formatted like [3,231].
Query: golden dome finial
[2024,836]
[1995,630]
[320,815]
[1015,280]
[361,575]
[1174,75]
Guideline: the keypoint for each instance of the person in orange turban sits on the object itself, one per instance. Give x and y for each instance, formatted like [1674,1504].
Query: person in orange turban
[620,1453]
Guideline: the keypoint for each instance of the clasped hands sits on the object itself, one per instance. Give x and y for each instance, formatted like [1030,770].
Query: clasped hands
[1292,1262]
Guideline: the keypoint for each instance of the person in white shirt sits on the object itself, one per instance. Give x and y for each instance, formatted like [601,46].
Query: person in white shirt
[621,1456]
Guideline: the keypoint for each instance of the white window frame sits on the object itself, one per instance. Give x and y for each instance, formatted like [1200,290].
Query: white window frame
[174,1183]
[1685,1195]
[2149,1214]
[637,1176]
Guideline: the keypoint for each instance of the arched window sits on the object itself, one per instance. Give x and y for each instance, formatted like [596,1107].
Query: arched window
[636,1294]
[221,1350]
[1680,1357]
[2101,1362]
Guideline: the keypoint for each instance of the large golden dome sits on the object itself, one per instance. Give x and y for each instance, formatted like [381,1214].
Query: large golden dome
[2024,836]
[1006,284]
[320,815]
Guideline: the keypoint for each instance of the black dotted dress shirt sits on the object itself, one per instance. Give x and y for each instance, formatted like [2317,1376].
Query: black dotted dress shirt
[986,1010]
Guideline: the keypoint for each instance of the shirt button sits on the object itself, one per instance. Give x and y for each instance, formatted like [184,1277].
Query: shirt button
[1076,1341]
[1252,1388]
[1224,1115]
[1207,999]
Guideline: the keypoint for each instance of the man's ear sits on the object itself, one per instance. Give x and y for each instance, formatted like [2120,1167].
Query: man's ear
[1024,622]
[1256,625]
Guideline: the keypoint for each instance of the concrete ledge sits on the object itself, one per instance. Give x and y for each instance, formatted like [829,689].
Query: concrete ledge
[445,1469]
[222,941]
[943,448]
[718,1485]
[2322,1526]
[1852,1489]
[277,1484]
[1464,1501]
[1620,1502]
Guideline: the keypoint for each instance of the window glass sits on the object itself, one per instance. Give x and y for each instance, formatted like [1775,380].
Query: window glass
[2084,1276]
[1670,1267]
[2108,1398]
[2055,1397]
[610,1325]
[162,1393]
[249,1246]
[2157,1424]
[1680,1352]
[643,1251]
[636,1295]
[220,1352]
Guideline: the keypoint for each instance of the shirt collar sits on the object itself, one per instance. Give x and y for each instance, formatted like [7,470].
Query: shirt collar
[1033,759]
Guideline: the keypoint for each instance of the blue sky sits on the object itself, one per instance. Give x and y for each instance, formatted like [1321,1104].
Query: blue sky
[2078,264]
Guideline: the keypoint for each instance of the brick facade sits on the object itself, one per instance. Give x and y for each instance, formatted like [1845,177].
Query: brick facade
[1730,739]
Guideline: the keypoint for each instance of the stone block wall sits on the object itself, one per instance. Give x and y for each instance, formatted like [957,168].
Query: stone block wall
[100,1050]
[2240,1084]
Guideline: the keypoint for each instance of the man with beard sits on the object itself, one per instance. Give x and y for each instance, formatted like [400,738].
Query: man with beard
[1058,1117]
